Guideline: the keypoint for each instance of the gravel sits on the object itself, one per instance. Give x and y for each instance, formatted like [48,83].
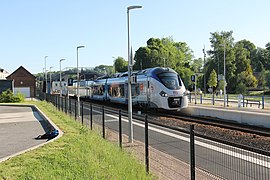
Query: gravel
[238,137]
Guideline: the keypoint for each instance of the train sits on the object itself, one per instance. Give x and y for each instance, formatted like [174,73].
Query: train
[156,88]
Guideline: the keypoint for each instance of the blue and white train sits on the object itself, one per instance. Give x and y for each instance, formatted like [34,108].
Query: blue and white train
[160,88]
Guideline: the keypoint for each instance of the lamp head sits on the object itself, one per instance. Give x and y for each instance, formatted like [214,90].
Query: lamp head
[80,47]
[133,7]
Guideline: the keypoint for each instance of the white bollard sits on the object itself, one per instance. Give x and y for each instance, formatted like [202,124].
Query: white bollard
[240,97]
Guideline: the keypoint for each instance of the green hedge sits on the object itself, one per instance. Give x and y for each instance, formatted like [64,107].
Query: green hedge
[9,97]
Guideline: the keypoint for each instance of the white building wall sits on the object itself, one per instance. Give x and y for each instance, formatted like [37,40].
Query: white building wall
[3,74]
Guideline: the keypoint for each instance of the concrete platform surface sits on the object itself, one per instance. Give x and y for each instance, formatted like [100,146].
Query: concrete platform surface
[19,125]
[251,116]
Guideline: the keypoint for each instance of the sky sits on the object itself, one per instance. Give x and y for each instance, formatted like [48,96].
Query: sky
[33,29]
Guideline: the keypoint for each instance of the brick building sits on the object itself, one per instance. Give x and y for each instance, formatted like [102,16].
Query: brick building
[24,82]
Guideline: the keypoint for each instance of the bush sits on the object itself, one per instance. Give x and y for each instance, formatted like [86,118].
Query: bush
[241,88]
[8,97]
[267,92]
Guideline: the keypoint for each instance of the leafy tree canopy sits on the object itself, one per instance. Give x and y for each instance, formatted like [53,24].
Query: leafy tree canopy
[163,53]
[120,64]
[104,69]
[212,82]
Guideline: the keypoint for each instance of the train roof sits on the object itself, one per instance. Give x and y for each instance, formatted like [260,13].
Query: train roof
[156,70]
[148,71]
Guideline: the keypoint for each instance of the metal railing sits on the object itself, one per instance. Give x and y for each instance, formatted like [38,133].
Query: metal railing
[262,102]
[171,154]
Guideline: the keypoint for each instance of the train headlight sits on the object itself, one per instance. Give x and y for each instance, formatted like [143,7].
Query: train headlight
[187,92]
[163,94]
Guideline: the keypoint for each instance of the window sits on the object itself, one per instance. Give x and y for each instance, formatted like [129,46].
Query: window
[170,80]
[98,90]
[135,89]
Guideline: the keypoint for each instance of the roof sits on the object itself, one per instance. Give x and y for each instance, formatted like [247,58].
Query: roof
[3,71]
[21,67]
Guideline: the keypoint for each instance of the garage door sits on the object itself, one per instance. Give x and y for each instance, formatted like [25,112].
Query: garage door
[24,90]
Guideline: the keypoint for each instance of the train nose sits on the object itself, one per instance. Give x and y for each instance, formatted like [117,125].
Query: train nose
[174,102]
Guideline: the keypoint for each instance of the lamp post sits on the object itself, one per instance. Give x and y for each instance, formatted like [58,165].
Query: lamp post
[129,78]
[61,77]
[78,78]
[45,70]
[51,79]
[224,45]
[204,78]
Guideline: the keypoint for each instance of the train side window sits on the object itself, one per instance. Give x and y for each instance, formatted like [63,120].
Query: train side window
[110,91]
[101,90]
[95,90]
[114,91]
[135,89]
[122,90]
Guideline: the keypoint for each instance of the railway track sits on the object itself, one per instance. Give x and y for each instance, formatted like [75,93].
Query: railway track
[215,122]
[180,121]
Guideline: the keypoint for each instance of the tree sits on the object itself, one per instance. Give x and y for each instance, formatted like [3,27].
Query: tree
[165,52]
[120,64]
[212,82]
[262,79]
[242,57]
[247,78]
[104,69]
[218,40]
[197,65]
[267,75]
[241,88]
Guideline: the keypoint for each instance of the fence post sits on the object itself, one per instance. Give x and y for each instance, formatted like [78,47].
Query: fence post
[213,98]
[243,101]
[227,100]
[66,104]
[192,153]
[55,98]
[91,116]
[55,101]
[82,112]
[75,110]
[62,104]
[146,144]
[262,101]
[189,97]
[201,98]
[69,106]
[59,103]
[103,122]
[120,128]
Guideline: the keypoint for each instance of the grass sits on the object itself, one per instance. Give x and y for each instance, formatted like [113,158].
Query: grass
[78,154]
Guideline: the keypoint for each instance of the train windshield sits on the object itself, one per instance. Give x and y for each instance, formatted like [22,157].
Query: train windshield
[170,80]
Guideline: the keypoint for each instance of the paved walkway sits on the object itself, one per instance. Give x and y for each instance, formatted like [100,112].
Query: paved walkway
[19,125]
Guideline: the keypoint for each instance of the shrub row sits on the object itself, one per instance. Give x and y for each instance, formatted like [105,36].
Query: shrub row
[9,97]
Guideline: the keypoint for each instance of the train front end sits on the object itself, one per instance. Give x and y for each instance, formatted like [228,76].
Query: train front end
[169,90]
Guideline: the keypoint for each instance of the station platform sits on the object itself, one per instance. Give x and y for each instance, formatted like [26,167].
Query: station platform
[244,115]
